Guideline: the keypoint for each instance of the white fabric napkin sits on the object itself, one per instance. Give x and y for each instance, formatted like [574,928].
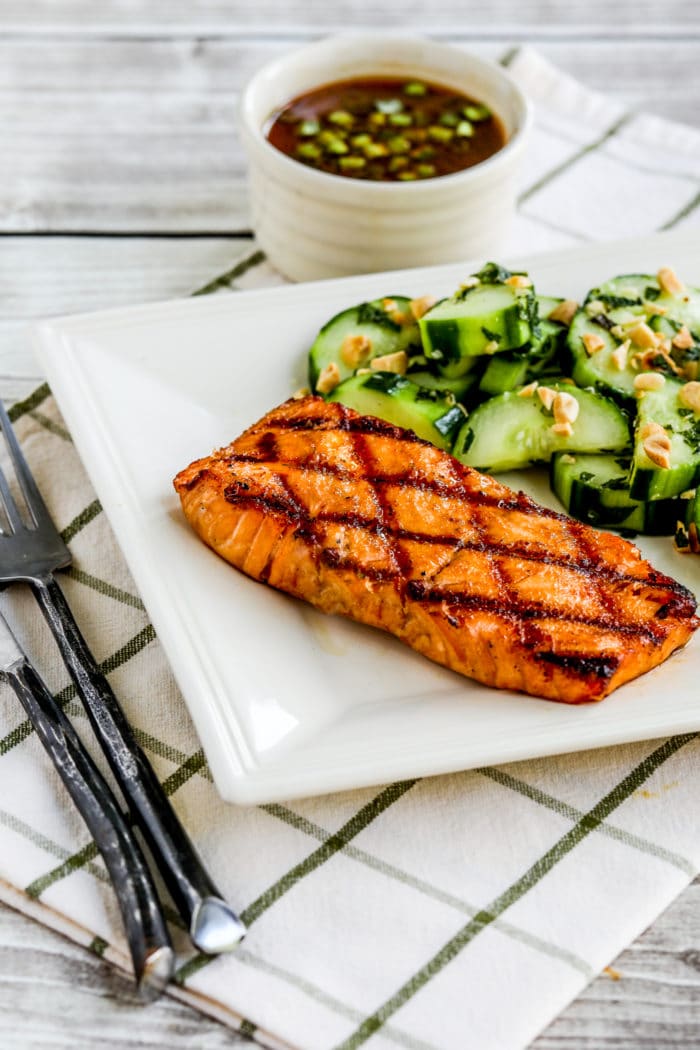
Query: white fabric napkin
[452,912]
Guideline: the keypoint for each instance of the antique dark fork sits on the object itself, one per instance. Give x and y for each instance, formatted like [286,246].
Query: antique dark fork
[144,924]
[30,552]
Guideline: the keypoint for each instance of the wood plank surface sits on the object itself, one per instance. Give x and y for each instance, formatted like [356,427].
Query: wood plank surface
[56,994]
[44,276]
[139,135]
[275,17]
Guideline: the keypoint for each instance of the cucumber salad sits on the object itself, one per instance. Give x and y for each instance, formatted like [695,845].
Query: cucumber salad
[607,393]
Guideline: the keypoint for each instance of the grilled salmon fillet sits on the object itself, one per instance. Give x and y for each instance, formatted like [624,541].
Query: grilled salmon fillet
[364,519]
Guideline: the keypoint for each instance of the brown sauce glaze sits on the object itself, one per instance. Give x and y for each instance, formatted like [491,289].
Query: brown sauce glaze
[425,591]
[382,129]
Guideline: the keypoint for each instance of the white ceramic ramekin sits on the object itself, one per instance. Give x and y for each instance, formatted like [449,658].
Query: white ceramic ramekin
[314,225]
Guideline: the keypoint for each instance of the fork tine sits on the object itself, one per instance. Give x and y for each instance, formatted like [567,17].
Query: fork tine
[32,496]
[13,515]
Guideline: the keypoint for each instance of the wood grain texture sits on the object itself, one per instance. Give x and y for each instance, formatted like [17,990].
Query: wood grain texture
[55,994]
[46,276]
[128,134]
[268,17]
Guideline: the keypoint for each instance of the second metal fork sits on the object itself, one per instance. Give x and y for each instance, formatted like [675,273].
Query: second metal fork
[30,552]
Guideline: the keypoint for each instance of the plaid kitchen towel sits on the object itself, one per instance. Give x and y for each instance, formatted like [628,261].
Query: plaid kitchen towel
[455,913]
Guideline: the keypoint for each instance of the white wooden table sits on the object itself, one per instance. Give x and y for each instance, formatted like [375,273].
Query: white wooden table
[121,180]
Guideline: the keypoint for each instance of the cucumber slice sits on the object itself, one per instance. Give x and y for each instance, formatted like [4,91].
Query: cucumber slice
[373,320]
[484,319]
[513,368]
[687,358]
[511,431]
[430,414]
[545,305]
[627,290]
[598,370]
[635,289]
[505,372]
[622,299]
[595,489]
[458,387]
[647,480]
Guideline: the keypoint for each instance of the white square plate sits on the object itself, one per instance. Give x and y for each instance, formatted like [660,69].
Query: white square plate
[289,702]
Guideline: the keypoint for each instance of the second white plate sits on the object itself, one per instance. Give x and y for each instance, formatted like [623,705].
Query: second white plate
[288,702]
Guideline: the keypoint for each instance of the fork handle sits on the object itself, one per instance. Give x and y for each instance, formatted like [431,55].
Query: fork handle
[147,935]
[213,925]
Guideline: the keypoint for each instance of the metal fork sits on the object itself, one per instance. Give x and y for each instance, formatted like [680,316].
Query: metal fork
[30,553]
[146,932]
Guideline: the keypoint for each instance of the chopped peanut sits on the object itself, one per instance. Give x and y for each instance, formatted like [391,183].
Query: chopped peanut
[389,305]
[546,396]
[654,308]
[644,359]
[689,396]
[401,318]
[528,391]
[669,281]
[642,335]
[397,362]
[564,312]
[593,343]
[562,429]
[619,357]
[422,305]
[693,537]
[687,541]
[328,379]
[653,428]
[657,452]
[648,381]
[565,408]
[303,391]
[519,280]
[664,351]
[683,340]
[688,494]
[618,331]
[595,307]
[354,349]
[568,458]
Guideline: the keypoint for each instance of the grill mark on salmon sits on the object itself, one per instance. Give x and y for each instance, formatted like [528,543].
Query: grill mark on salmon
[421,593]
[237,495]
[601,666]
[401,561]
[518,501]
[532,600]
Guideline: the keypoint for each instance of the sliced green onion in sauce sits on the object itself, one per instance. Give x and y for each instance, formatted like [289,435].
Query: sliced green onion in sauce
[383,129]
[389,105]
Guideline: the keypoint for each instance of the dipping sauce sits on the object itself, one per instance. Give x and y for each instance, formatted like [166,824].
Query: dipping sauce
[386,130]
